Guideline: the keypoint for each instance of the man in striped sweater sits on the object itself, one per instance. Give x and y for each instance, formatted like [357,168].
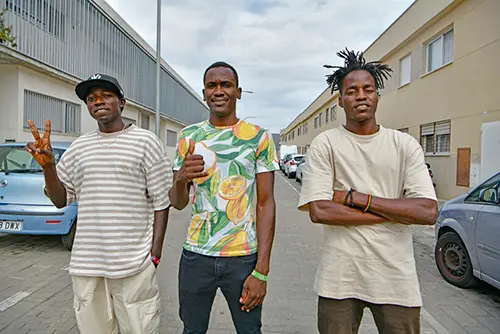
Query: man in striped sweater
[120,176]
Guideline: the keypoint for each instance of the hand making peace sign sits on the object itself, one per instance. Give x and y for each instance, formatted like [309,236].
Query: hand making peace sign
[40,149]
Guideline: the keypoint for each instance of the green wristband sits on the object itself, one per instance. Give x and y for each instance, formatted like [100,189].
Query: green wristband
[259,276]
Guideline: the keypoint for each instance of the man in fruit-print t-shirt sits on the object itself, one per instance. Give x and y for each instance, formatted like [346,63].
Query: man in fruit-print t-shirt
[223,220]
[230,165]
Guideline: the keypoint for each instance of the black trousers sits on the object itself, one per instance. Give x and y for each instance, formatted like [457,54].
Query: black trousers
[199,278]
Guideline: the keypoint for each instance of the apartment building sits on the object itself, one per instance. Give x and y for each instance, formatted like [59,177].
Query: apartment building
[60,43]
[445,56]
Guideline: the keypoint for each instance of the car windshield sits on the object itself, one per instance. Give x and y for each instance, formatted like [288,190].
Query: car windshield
[14,159]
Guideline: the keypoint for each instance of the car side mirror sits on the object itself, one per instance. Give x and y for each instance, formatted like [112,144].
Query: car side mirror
[489,195]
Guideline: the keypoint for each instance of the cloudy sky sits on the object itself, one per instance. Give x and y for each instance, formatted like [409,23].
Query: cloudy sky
[277,46]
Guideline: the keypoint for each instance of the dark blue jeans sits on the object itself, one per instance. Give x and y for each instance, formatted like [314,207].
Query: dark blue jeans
[199,278]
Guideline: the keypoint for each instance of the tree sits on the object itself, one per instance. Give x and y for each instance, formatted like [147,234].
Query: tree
[6,32]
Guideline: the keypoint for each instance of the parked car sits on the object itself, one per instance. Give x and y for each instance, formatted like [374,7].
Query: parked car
[298,172]
[291,164]
[283,162]
[24,207]
[468,236]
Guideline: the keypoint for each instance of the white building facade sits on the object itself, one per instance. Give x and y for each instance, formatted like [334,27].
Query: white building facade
[60,43]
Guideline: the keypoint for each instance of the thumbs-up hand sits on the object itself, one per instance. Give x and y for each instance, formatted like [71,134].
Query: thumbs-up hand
[193,165]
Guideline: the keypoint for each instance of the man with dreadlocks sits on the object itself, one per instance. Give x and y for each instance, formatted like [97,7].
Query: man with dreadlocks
[366,184]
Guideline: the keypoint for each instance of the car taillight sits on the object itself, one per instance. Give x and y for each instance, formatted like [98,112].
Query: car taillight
[53,222]
[292,162]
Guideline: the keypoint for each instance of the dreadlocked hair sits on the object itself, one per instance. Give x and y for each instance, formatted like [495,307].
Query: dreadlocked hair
[355,62]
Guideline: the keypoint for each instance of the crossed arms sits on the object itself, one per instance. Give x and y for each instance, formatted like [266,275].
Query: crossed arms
[420,211]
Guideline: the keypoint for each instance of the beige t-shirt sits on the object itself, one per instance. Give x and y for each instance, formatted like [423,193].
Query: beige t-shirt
[374,263]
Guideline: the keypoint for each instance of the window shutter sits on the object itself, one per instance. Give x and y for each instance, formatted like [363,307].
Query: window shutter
[443,128]
[427,129]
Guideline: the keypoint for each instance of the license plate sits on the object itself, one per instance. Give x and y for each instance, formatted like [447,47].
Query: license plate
[11,225]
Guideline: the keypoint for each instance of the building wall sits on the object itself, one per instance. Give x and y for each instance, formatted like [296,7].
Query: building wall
[8,101]
[175,127]
[465,92]
[303,140]
[19,79]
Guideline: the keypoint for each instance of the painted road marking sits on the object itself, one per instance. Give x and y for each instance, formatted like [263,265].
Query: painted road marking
[433,322]
[13,300]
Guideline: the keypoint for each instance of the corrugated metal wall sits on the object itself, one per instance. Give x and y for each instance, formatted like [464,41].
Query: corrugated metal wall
[75,37]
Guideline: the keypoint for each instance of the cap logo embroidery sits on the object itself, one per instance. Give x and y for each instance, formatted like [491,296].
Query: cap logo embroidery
[95,76]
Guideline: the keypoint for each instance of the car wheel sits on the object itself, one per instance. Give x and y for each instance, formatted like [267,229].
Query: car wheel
[453,261]
[290,175]
[69,238]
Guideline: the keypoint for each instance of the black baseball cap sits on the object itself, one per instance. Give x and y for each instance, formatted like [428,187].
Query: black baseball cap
[98,81]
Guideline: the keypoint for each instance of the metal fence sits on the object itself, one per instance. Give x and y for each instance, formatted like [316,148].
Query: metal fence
[76,37]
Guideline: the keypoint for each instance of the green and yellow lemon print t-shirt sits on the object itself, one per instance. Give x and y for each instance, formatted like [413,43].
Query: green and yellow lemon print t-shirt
[223,218]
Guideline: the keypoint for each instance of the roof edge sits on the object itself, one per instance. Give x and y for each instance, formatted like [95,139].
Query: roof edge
[127,29]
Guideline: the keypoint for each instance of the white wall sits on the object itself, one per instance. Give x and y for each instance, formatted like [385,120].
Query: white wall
[44,84]
[9,82]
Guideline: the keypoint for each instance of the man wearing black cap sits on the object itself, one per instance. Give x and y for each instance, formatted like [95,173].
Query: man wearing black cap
[120,176]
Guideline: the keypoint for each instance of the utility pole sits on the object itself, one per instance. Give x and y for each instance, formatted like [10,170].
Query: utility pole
[158,66]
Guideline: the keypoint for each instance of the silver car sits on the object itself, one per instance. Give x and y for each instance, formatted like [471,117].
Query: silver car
[468,237]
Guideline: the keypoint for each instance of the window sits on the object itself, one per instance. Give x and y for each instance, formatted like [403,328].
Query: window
[298,158]
[435,137]
[129,120]
[145,121]
[327,118]
[493,183]
[298,130]
[440,51]
[333,112]
[171,138]
[319,120]
[405,70]
[316,122]
[65,117]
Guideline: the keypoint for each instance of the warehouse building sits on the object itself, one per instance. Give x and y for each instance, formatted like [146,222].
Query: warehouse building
[60,43]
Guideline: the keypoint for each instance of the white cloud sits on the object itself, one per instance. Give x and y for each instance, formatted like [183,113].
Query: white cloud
[277,46]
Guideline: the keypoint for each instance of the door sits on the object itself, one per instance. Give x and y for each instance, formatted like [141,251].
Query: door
[488,232]
[490,146]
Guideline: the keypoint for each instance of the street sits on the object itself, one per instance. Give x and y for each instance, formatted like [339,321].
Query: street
[36,293]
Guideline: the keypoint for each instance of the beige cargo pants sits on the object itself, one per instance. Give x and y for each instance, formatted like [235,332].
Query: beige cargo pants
[132,303]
